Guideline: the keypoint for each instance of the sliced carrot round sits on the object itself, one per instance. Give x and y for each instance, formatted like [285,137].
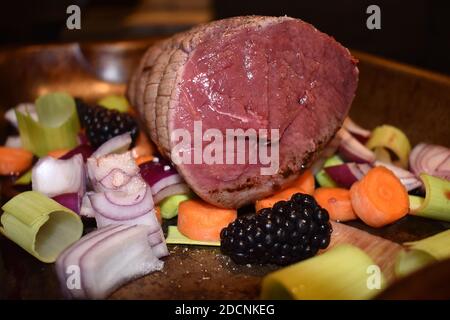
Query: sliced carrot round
[14,160]
[305,182]
[379,198]
[269,202]
[337,202]
[202,221]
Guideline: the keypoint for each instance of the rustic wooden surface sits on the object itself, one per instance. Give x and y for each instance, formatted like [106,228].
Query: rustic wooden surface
[414,100]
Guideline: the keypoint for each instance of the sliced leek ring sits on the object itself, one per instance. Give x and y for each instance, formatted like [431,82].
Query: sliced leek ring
[391,138]
[436,204]
[343,272]
[40,225]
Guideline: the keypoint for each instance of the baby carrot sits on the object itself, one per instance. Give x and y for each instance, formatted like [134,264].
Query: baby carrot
[202,221]
[305,182]
[14,160]
[337,202]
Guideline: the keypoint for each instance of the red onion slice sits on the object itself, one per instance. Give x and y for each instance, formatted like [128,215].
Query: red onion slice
[115,260]
[106,259]
[161,250]
[69,200]
[166,182]
[361,134]
[154,171]
[86,209]
[179,188]
[407,178]
[71,258]
[118,144]
[99,168]
[145,219]
[431,159]
[352,150]
[53,177]
[114,180]
[443,169]
[345,174]
[103,206]
[364,167]
[123,198]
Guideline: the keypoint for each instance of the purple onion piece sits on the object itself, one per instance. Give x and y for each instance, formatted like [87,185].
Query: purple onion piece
[179,188]
[69,200]
[117,212]
[430,159]
[343,174]
[83,149]
[117,144]
[71,257]
[126,199]
[361,134]
[115,260]
[107,183]
[153,171]
[352,150]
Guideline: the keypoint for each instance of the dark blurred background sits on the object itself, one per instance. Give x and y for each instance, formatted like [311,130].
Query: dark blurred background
[416,32]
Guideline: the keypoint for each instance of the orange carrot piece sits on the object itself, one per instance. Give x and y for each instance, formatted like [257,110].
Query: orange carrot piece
[379,198]
[285,194]
[143,146]
[305,182]
[58,153]
[202,221]
[14,161]
[143,159]
[337,202]
[158,214]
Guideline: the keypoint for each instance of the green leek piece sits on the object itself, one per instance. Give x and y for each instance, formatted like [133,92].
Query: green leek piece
[323,178]
[24,179]
[423,252]
[174,236]
[169,206]
[415,202]
[40,225]
[382,154]
[119,103]
[393,139]
[409,261]
[436,204]
[56,128]
[343,272]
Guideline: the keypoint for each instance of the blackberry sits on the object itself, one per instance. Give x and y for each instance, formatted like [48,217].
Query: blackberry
[288,232]
[102,124]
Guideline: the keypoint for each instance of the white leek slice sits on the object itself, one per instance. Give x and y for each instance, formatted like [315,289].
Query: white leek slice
[40,225]
[343,272]
[423,252]
[436,204]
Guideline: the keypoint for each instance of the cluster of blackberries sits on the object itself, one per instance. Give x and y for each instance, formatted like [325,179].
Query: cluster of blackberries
[102,124]
[288,232]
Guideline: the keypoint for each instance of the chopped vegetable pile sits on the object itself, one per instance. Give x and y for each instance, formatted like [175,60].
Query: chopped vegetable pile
[82,161]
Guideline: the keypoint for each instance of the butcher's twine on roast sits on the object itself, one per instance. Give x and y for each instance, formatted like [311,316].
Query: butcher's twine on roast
[250,72]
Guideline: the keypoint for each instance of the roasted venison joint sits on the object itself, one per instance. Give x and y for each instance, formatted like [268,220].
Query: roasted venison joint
[246,72]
